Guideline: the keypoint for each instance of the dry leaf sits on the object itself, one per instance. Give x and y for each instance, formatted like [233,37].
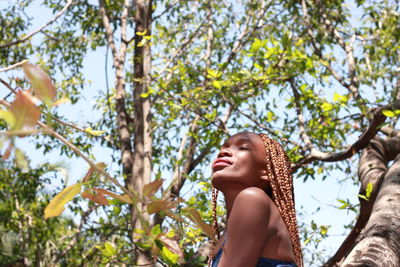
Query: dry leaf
[41,83]
[25,112]
[124,198]
[196,218]
[98,198]
[150,189]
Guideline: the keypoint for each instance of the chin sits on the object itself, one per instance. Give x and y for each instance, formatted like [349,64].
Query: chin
[220,180]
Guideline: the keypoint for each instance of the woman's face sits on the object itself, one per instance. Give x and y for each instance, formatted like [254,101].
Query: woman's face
[240,162]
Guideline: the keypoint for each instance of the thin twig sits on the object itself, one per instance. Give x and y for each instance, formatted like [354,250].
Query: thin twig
[303,134]
[92,164]
[23,39]
[166,10]
[14,65]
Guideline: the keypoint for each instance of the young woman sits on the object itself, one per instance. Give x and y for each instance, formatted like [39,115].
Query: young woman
[254,174]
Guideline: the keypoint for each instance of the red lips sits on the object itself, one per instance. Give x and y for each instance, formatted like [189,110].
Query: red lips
[221,162]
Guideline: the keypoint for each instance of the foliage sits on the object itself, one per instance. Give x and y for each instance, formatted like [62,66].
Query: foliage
[309,74]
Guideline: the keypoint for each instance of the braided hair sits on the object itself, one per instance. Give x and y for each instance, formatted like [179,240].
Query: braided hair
[214,225]
[281,181]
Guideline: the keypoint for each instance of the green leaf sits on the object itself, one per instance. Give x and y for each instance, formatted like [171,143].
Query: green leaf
[172,257]
[213,73]
[56,205]
[156,230]
[313,226]
[323,230]
[256,45]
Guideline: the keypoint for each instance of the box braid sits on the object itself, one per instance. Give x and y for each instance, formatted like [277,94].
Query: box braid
[280,178]
[214,225]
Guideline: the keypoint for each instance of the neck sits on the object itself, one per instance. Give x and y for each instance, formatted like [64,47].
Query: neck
[230,196]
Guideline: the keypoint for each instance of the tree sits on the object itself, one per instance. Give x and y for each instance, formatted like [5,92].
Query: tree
[187,73]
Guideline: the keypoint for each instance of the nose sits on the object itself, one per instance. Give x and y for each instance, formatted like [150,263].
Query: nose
[224,152]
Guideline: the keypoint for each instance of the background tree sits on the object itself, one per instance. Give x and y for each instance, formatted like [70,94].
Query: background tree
[311,74]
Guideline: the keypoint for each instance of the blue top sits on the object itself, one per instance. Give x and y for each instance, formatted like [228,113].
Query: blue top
[262,262]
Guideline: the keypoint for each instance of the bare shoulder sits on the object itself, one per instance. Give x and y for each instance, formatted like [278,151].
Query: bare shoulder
[254,195]
[255,201]
[252,217]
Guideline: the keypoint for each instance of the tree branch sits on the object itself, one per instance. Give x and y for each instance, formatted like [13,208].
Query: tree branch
[348,48]
[303,135]
[14,65]
[166,10]
[377,119]
[109,32]
[23,39]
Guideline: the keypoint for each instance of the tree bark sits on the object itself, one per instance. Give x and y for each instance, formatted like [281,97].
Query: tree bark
[142,145]
[375,239]
[379,242]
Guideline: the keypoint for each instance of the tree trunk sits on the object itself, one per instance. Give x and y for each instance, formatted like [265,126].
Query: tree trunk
[378,244]
[142,144]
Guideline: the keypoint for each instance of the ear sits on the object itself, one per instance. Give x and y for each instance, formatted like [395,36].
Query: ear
[264,175]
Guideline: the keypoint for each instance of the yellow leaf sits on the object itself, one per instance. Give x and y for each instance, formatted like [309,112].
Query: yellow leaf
[25,112]
[8,117]
[21,160]
[41,83]
[217,84]
[150,189]
[194,215]
[388,113]
[61,101]
[89,130]
[142,33]
[368,190]
[326,106]
[56,205]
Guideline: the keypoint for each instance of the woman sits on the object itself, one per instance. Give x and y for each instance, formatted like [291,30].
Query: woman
[254,174]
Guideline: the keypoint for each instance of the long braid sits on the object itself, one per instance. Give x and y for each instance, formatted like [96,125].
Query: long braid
[280,178]
[214,225]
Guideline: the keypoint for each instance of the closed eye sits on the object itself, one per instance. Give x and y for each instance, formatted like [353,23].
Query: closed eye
[243,148]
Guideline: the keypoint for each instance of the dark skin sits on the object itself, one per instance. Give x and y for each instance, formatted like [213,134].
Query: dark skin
[254,225]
